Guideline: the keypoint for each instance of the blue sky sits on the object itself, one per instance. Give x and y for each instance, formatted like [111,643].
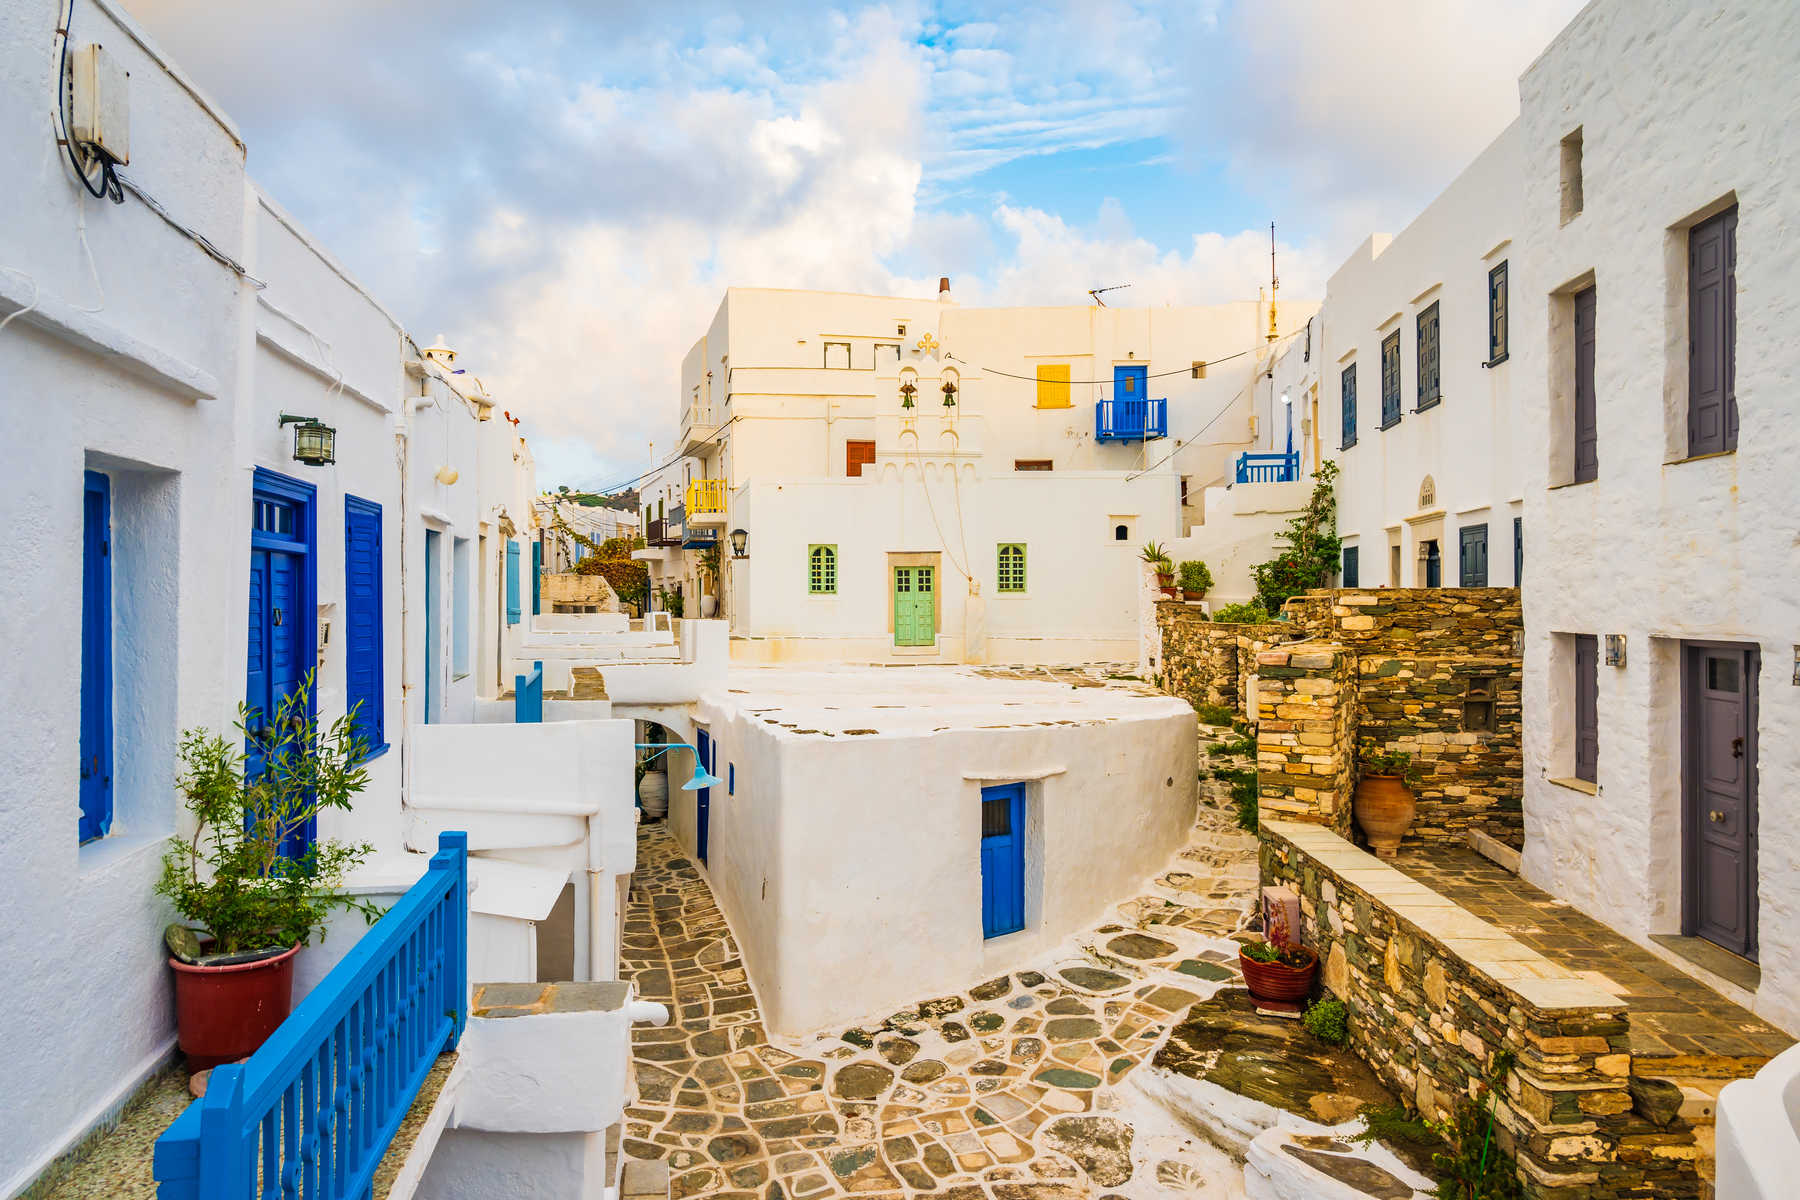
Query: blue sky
[565,189]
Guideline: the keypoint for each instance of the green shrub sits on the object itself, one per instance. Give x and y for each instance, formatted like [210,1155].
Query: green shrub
[1244,797]
[1195,576]
[1252,613]
[1328,1022]
[1214,714]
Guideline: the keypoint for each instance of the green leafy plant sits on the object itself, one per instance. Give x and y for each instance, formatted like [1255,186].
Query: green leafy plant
[1245,793]
[1242,746]
[670,600]
[1153,553]
[1214,714]
[1195,576]
[1371,759]
[1252,613]
[231,875]
[1470,1165]
[1312,549]
[1288,954]
[1328,1021]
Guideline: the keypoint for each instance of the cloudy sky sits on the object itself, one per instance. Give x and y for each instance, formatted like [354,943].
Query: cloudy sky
[565,188]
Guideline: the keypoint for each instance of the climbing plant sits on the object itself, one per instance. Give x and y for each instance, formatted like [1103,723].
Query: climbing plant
[1313,545]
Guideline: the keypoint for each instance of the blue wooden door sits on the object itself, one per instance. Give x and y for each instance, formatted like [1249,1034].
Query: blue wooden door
[281,641]
[431,623]
[703,797]
[1002,859]
[96,657]
[537,577]
[1130,388]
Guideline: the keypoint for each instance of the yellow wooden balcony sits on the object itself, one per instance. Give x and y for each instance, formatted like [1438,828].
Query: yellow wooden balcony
[706,502]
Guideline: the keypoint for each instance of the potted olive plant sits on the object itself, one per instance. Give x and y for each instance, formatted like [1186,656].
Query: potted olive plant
[1278,968]
[1196,577]
[250,876]
[1384,805]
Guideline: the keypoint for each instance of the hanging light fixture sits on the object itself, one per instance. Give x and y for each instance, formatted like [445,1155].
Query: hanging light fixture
[315,443]
[740,538]
[702,777]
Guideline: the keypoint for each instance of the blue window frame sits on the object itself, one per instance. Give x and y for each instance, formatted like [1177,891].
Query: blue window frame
[1352,566]
[1430,391]
[1349,394]
[96,658]
[512,582]
[363,634]
[1472,563]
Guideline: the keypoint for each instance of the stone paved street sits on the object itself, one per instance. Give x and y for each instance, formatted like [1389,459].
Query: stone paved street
[1009,1090]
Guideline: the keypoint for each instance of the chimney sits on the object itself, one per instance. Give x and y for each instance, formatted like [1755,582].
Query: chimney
[944,288]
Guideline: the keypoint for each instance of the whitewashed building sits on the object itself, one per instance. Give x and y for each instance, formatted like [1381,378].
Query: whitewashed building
[918,481]
[1657,274]
[178,552]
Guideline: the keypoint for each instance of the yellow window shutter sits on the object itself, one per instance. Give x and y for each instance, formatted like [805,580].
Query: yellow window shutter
[1053,385]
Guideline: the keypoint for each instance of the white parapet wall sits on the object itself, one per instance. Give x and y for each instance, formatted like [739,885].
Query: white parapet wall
[844,842]
[1758,1132]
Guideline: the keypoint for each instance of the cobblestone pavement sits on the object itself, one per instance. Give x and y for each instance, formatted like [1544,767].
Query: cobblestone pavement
[1007,1091]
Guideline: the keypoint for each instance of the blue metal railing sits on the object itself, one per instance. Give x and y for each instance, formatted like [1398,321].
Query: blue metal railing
[1130,420]
[312,1112]
[1268,468]
[528,696]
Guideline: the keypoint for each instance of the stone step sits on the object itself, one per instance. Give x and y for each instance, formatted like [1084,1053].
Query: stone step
[587,683]
[644,1179]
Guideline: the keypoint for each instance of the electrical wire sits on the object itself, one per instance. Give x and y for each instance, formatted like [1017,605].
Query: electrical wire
[35,295]
[109,183]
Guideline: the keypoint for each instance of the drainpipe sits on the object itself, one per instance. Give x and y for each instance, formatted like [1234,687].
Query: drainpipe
[403,450]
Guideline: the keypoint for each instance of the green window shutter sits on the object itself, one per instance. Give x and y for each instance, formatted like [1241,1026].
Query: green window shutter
[1011,567]
[821,570]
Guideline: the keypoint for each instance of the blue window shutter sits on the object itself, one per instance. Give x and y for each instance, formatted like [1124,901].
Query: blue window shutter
[363,619]
[512,583]
[537,577]
[96,657]
[1352,573]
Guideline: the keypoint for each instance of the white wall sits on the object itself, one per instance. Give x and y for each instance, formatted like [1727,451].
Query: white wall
[110,371]
[1472,443]
[1678,109]
[849,866]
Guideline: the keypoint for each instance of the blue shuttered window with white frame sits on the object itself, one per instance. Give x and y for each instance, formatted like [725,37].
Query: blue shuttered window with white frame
[512,582]
[1430,391]
[363,634]
[96,658]
[1349,393]
[1390,380]
[1352,574]
[1472,563]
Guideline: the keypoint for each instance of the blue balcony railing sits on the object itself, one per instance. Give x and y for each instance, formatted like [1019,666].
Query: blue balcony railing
[1130,420]
[1268,468]
[312,1112]
[528,696]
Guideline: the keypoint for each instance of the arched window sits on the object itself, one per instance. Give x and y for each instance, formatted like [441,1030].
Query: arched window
[821,570]
[1121,533]
[1011,573]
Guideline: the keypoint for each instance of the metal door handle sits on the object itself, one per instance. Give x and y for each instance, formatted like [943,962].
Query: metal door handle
[1737,747]
[1717,816]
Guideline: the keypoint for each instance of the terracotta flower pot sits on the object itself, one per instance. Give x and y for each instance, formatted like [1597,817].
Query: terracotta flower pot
[1384,808]
[224,1013]
[1278,980]
[1187,595]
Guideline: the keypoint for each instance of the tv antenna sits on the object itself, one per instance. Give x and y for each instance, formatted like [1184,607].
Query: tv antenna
[1096,292]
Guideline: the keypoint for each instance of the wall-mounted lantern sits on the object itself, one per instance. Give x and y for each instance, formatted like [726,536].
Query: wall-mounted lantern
[315,443]
[740,540]
[1615,649]
[907,392]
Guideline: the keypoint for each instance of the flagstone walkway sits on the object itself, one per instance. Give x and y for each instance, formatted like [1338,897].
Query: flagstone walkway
[1007,1091]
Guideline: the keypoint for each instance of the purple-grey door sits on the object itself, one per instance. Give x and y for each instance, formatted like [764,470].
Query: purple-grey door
[1587,707]
[1719,773]
[1587,439]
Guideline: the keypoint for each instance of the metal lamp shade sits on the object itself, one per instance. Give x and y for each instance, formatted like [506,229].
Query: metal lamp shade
[315,443]
[702,779]
[740,538]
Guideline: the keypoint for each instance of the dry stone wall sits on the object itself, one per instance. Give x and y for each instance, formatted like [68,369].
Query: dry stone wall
[1204,662]
[1306,733]
[1429,1011]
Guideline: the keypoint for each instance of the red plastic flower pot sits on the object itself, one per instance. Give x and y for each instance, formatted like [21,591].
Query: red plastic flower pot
[223,1014]
[1278,980]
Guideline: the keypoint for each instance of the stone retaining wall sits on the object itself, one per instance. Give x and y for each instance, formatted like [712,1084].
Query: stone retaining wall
[1435,994]
[1436,621]
[1467,748]
[1306,733]
[1203,661]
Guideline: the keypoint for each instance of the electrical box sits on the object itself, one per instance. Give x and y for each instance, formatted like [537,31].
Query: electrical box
[100,103]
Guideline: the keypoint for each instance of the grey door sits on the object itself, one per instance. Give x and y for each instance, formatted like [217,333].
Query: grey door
[1587,439]
[1587,707]
[1719,774]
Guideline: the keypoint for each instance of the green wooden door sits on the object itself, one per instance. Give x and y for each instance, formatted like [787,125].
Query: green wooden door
[915,613]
